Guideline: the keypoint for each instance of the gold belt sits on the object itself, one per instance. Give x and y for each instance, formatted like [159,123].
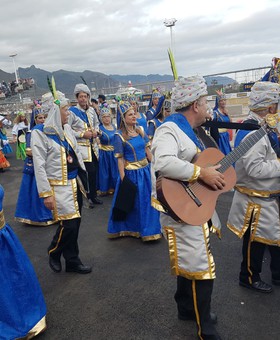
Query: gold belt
[222,130]
[106,147]
[136,165]
[2,220]
[256,193]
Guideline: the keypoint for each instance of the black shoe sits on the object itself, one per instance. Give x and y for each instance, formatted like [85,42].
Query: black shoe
[90,204]
[191,316]
[78,268]
[259,286]
[275,282]
[55,264]
[96,200]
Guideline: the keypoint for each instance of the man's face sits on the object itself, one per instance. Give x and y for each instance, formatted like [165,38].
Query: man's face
[64,114]
[202,111]
[83,99]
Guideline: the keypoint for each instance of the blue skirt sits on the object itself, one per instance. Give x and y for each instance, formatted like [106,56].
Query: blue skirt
[143,220]
[30,207]
[22,305]
[108,171]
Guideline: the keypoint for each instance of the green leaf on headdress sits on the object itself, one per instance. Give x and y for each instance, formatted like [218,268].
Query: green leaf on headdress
[50,85]
[54,89]
[172,63]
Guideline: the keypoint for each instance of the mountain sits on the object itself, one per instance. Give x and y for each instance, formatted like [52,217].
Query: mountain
[97,82]
[140,79]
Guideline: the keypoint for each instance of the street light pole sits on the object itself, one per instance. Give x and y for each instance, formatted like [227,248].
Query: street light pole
[170,23]
[15,69]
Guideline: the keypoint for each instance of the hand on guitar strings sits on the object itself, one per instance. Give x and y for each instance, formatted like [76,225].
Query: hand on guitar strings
[212,177]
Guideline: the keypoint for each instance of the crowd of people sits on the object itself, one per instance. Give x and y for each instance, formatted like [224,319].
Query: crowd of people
[75,153]
[14,87]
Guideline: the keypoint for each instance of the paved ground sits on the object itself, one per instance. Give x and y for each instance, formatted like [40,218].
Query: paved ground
[129,294]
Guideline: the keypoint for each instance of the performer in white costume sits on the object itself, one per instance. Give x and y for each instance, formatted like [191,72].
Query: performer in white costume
[59,167]
[254,214]
[174,146]
[84,121]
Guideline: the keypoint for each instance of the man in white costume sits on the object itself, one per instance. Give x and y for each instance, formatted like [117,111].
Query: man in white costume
[59,169]
[174,146]
[84,121]
[254,214]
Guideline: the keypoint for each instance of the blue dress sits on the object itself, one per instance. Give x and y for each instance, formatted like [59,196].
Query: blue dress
[224,142]
[143,220]
[142,121]
[108,165]
[22,305]
[30,208]
[5,148]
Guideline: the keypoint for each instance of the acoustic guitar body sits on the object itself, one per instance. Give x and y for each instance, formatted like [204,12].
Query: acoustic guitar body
[197,206]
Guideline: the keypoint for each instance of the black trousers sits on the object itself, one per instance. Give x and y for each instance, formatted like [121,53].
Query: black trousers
[193,299]
[92,170]
[251,265]
[65,240]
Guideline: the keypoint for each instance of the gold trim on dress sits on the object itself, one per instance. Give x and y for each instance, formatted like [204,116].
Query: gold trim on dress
[211,263]
[151,237]
[135,165]
[2,219]
[106,147]
[256,193]
[216,231]
[27,221]
[123,234]
[40,327]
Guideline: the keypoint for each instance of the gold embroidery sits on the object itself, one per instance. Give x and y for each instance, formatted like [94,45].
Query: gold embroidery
[135,165]
[196,309]
[255,193]
[106,147]
[157,205]
[151,237]
[37,329]
[2,220]
[196,173]
[42,224]
[45,194]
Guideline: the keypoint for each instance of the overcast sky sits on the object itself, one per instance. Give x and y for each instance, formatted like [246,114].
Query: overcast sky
[129,37]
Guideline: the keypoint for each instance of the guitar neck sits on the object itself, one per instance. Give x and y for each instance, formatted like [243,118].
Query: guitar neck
[243,147]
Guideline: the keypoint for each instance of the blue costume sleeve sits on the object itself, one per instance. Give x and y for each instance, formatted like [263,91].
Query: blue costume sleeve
[28,139]
[151,129]
[118,146]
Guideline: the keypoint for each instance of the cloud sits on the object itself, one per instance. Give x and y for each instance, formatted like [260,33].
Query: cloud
[120,37]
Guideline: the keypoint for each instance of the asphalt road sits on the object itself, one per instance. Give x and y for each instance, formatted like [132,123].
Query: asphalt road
[129,294]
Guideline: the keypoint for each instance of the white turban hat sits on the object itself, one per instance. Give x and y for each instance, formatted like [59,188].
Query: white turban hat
[81,88]
[188,90]
[264,94]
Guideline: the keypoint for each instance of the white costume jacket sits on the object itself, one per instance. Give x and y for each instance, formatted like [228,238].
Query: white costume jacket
[189,248]
[255,203]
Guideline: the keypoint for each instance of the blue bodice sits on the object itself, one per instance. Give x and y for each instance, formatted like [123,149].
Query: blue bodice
[107,137]
[131,150]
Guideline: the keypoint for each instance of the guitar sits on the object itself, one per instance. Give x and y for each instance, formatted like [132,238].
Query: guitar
[194,203]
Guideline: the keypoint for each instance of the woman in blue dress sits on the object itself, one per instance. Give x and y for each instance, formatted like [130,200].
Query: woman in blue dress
[162,110]
[30,208]
[153,105]
[220,114]
[132,151]
[22,305]
[108,167]
[6,148]
[140,117]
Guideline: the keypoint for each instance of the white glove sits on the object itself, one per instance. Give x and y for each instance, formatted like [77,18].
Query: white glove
[5,142]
